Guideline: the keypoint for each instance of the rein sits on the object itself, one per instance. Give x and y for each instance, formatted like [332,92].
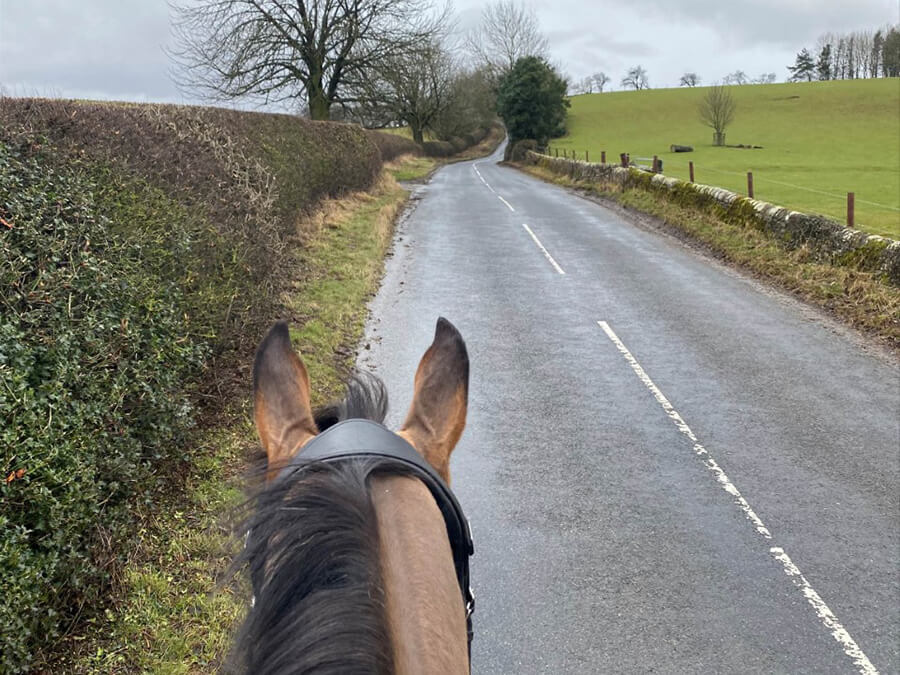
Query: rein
[361,438]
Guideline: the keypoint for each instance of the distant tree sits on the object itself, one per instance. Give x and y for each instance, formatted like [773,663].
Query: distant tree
[689,80]
[890,54]
[601,79]
[823,65]
[532,101]
[803,68]
[275,51]
[587,85]
[765,78]
[508,31]
[471,105]
[717,111]
[737,77]
[411,88]
[875,62]
[636,78]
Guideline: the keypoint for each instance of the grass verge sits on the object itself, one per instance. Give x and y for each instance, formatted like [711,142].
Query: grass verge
[167,614]
[857,298]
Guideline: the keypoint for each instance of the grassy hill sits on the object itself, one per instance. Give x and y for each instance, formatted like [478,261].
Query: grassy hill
[819,141]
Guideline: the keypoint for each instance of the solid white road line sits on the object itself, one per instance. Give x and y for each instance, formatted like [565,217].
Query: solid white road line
[541,246]
[826,616]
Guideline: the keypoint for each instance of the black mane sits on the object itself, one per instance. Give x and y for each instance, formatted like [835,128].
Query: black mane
[313,555]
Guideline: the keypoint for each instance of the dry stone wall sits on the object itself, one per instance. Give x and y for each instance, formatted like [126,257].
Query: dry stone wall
[828,239]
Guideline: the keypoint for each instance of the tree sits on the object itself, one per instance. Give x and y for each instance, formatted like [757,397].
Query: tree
[737,77]
[803,67]
[890,54]
[689,80]
[636,78]
[508,32]
[472,104]
[411,88]
[276,51]
[601,79]
[823,65]
[532,101]
[717,111]
[765,78]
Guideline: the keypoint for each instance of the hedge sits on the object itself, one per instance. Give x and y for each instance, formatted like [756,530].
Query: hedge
[139,245]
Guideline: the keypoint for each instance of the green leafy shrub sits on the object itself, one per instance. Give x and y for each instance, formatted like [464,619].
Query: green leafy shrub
[94,352]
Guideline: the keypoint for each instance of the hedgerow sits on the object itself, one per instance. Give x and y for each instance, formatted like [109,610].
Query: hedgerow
[141,248]
[95,348]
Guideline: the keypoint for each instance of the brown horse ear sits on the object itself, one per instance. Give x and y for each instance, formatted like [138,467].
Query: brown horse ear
[284,419]
[437,415]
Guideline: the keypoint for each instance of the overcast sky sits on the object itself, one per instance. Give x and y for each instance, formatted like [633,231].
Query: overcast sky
[113,49]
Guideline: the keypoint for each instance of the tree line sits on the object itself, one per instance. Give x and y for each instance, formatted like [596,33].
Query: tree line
[850,56]
[380,63]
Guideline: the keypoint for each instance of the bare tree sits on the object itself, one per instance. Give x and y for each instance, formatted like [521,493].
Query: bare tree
[765,78]
[717,111]
[508,31]
[288,50]
[689,80]
[636,78]
[412,88]
[601,79]
[737,77]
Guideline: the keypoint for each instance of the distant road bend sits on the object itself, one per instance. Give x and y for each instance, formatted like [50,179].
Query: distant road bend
[668,468]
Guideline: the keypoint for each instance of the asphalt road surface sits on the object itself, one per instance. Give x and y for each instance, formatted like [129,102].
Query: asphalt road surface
[667,467]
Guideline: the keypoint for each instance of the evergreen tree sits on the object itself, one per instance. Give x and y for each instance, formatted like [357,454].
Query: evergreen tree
[532,101]
[803,68]
[823,65]
[890,54]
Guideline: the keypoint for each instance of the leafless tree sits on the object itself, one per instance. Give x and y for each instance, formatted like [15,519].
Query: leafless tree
[765,78]
[411,88]
[737,77]
[508,31]
[601,79]
[322,51]
[689,80]
[717,111]
[636,78]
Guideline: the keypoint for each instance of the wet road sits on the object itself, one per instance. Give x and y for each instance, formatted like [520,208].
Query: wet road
[667,468]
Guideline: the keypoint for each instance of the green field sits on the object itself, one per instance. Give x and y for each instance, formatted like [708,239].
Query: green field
[819,141]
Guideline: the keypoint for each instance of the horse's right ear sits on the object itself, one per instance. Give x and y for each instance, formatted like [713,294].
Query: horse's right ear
[284,418]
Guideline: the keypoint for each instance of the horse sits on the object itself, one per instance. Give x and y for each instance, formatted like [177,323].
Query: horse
[356,547]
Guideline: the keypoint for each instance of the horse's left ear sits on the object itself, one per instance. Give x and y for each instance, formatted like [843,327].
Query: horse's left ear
[284,418]
[437,415]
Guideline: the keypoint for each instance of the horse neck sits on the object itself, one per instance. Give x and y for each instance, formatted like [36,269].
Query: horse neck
[424,605]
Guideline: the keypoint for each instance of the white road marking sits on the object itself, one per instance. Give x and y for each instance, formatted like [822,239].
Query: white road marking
[541,246]
[827,617]
[487,185]
[505,202]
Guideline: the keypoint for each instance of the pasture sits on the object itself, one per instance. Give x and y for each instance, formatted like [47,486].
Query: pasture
[819,141]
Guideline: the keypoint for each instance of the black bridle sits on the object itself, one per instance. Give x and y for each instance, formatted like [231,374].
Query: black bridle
[359,439]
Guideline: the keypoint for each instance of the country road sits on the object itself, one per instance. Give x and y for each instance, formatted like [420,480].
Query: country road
[667,467]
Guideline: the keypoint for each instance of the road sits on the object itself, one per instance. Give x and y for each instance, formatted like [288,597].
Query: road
[667,467]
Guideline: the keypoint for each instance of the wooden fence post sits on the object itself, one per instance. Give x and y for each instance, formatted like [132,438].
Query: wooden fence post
[655,164]
[586,156]
[851,209]
[603,157]
[624,159]
[750,184]
[691,167]
[556,150]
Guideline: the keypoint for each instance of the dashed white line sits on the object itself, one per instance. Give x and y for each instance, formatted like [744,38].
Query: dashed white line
[506,202]
[486,184]
[826,616]
[541,246]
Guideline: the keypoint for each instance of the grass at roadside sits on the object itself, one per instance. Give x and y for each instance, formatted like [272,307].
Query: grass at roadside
[858,298]
[167,615]
[409,168]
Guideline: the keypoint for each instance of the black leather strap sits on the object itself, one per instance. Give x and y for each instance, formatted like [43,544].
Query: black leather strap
[359,438]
